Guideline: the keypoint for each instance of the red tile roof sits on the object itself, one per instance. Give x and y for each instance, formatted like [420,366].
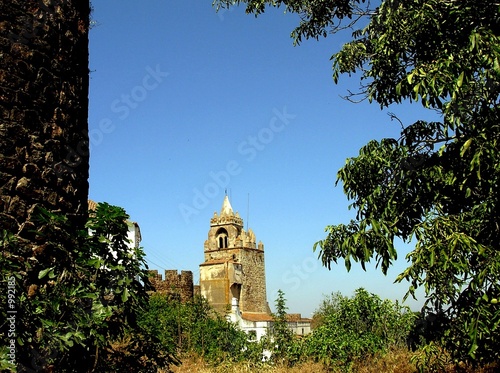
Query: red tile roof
[253,316]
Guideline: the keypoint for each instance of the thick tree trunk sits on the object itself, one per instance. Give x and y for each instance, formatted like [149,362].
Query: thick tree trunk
[44,152]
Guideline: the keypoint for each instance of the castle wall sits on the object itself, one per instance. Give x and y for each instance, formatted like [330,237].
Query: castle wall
[252,297]
[253,290]
[214,285]
[175,284]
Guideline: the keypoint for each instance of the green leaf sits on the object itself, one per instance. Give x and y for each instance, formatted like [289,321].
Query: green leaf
[460,79]
[465,146]
[409,78]
[125,295]
[44,272]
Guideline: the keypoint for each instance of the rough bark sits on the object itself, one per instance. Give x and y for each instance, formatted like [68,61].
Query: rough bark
[44,151]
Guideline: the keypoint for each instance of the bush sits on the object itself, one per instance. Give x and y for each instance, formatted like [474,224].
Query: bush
[77,297]
[353,328]
[195,328]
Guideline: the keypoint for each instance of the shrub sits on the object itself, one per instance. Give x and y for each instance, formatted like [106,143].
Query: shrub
[77,297]
[194,328]
[353,328]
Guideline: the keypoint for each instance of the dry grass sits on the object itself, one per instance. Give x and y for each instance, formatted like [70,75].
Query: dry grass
[196,365]
[396,361]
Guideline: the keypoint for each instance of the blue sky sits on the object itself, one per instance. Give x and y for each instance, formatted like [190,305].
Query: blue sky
[186,103]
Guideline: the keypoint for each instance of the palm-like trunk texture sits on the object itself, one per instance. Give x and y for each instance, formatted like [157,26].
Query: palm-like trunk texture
[44,152]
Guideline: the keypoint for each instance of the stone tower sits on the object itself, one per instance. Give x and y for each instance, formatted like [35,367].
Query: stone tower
[234,265]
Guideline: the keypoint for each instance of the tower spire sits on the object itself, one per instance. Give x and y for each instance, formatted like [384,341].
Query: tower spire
[226,207]
[234,264]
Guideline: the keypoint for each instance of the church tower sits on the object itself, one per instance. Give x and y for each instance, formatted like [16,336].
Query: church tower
[234,265]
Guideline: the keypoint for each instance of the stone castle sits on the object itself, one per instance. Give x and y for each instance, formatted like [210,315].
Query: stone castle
[232,276]
[233,268]
[234,265]
[174,285]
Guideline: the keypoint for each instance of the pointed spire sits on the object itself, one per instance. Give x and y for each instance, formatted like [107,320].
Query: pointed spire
[226,207]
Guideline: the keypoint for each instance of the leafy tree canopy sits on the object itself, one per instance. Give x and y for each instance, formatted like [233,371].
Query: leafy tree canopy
[196,329]
[76,299]
[352,328]
[437,185]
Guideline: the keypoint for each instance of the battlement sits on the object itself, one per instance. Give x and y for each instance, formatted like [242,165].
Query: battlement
[226,219]
[174,284]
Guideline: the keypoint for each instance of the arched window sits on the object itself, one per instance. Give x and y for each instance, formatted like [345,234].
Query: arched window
[222,242]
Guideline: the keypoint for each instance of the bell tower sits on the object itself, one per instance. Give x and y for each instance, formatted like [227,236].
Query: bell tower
[233,264]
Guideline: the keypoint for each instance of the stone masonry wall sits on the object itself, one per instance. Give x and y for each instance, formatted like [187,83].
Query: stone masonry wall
[43,110]
[174,284]
[253,290]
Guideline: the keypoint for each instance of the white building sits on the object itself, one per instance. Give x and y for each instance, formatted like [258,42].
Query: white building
[134,232]
[257,325]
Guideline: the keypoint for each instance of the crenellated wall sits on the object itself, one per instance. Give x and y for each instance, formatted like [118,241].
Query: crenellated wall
[175,284]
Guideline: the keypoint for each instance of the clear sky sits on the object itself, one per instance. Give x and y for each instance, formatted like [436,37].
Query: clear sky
[186,103]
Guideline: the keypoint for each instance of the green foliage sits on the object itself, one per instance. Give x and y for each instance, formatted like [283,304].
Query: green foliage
[281,335]
[431,358]
[444,53]
[437,185]
[354,328]
[77,297]
[194,328]
[318,17]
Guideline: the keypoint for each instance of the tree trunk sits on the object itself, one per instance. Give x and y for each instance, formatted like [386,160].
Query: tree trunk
[44,84]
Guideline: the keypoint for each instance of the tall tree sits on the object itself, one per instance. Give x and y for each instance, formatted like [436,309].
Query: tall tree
[44,106]
[437,185]
[282,336]
[71,298]
[44,155]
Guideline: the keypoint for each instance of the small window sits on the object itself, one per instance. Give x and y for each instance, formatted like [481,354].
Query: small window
[222,242]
